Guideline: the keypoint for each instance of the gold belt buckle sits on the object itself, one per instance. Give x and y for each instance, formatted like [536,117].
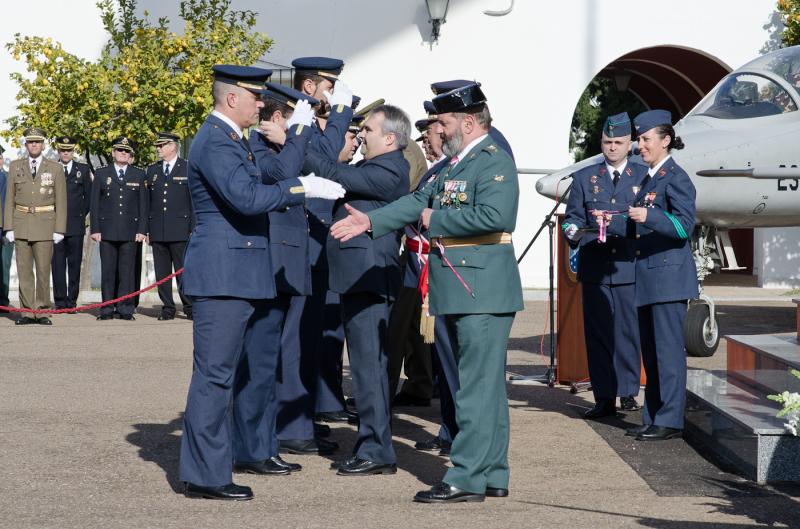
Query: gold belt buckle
[31,209]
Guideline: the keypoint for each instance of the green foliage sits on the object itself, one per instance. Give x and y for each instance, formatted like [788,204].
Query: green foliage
[791,406]
[790,16]
[147,78]
[600,100]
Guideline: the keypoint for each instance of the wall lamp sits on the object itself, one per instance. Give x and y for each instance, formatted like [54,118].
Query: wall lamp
[437,12]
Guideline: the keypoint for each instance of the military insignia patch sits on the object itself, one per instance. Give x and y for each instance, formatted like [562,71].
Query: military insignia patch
[662,172]
[78,175]
[572,268]
[628,171]
[593,179]
[108,181]
[499,178]
[47,179]
[491,148]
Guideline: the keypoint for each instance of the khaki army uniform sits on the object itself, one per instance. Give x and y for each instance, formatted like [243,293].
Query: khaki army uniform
[35,208]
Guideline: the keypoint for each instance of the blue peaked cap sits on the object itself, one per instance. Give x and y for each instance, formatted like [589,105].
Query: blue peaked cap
[248,77]
[651,119]
[446,86]
[287,95]
[327,67]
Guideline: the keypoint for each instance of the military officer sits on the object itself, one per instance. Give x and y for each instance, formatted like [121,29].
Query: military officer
[118,223]
[228,273]
[68,254]
[497,136]
[661,221]
[351,140]
[170,219]
[316,77]
[469,211]
[606,270]
[365,272]
[295,390]
[35,217]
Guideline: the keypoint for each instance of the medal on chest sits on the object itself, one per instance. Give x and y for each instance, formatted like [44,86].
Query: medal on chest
[650,199]
[454,193]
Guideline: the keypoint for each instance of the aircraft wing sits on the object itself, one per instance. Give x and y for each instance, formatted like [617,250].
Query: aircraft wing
[753,172]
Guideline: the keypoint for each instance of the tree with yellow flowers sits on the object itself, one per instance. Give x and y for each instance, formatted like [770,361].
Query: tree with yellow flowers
[148,78]
[790,16]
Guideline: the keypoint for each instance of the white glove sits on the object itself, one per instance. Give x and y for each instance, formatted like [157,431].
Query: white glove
[57,238]
[10,236]
[342,95]
[317,187]
[570,231]
[303,114]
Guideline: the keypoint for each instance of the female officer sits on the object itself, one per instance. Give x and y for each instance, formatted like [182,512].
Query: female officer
[666,277]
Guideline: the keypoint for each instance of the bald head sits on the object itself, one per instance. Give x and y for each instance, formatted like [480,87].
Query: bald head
[237,103]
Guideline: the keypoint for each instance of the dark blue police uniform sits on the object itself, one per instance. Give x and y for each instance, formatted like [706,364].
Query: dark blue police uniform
[366,274]
[170,221]
[606,271]
[666,277]
[118,213]
[228,273]
[68,254]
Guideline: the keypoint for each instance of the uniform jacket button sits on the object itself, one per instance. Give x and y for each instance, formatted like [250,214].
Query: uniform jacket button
[638,252]
[613,200]
[249,243]
[463,261]
[613,250]
[638,236]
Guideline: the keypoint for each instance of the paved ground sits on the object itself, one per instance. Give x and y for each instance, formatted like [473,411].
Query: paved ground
[90,423]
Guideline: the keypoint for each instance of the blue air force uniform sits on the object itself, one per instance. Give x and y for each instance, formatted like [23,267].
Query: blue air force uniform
[607,274]
[118,214]
[666,277]
[365,272]
[228,273]
[68,254]
[313,323]
[170,221]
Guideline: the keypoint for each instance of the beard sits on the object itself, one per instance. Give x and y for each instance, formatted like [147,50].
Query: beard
[452,146]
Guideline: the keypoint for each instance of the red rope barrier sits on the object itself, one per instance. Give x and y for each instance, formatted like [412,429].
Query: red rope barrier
[94,305]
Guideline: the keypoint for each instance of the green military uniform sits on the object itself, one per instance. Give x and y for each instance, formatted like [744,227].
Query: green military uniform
[475,209]
[35,209]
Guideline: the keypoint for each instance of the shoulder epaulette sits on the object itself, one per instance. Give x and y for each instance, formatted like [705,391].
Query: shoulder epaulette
[490,148]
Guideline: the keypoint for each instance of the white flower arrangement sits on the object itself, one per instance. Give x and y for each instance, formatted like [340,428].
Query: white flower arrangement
[791,406]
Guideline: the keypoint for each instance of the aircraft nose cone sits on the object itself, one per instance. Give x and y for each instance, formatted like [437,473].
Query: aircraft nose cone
[540,187]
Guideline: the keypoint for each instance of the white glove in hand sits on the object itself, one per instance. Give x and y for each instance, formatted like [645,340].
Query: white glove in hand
[303,114]
[570,231]
[342,95]
[10,236]
[317,187]
[57,238]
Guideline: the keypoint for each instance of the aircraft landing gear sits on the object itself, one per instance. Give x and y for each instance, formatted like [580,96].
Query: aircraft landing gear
[701,329]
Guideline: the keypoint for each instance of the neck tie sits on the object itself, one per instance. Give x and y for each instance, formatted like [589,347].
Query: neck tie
[166,170]
[121,176]
[453,160]
[66,170]
[33,168]
[616,178]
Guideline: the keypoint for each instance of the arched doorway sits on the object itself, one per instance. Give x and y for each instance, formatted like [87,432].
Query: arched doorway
[674,78]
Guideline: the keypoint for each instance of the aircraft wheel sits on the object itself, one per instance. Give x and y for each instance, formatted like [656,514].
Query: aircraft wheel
[701,338]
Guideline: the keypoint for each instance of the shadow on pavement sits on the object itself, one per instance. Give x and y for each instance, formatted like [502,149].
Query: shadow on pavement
[161,444]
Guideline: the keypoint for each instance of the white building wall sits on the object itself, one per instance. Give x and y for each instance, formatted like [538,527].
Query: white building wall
[534,63]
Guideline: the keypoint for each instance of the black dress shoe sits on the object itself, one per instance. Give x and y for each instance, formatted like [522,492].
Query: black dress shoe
[342,462]
[444,493]
[337,416]
[350,401]
[321,430]
[362,467]
[659,433]
[433,445]
[629,404]
[165,317]
[126,317]
[189,315]
[291,467]
[496,492]
[636,430]
[303,447]
[263,468]
[25,320]
[405,399]
[104,317]
[603,408]
[231,491]
[44,321]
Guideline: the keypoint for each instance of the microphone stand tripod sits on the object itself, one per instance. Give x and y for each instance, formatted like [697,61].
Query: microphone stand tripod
[549,377]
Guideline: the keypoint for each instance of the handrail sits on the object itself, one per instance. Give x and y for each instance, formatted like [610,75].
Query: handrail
[525,170]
